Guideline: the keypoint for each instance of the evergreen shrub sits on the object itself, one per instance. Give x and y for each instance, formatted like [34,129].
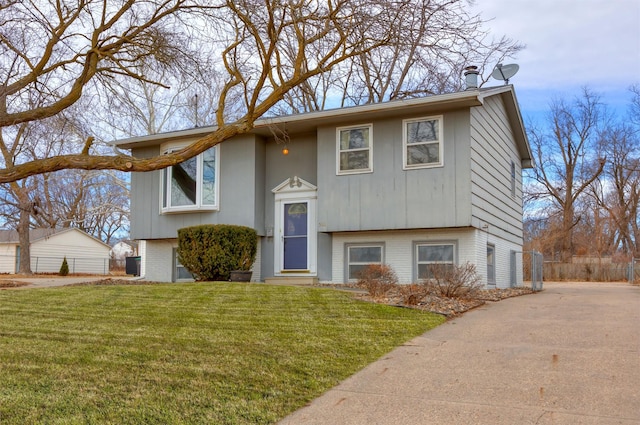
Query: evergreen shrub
[210,252]
[64,268]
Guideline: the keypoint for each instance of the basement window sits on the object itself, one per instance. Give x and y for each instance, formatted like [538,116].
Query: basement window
[432,257]
[360,256]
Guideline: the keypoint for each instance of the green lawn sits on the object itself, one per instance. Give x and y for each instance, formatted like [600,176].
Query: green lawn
[212,353]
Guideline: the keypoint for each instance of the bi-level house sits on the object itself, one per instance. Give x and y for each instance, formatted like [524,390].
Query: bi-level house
[407,183]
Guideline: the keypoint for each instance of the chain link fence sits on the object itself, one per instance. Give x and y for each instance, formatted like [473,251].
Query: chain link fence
[633,271]
[533,269]
[52,264]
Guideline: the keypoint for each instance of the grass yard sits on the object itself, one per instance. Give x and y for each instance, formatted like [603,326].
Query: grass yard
[212,353]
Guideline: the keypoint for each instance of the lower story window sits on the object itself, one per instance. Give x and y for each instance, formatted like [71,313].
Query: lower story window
[360,256]
[431,257]
[491,264]
[180,272]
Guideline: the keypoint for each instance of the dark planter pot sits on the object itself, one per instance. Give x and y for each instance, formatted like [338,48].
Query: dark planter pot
[240,275]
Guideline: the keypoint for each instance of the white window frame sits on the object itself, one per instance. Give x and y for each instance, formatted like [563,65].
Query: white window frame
[416,254]
[513,179]
[369,169]
[491,266]
[177,266]
[166,174]
[439,141]
[348,263]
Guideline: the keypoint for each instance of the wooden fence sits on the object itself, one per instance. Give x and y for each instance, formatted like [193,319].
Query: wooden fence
[591,272]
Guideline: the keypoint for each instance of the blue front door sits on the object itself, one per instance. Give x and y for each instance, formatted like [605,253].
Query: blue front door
[295,236]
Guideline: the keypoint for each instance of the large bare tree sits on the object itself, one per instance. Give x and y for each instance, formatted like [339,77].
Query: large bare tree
[617,190]
[568,159]
[53,53]
[426,54]
[95,201]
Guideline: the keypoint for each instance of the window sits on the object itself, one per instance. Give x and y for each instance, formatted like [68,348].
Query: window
[360,256]
[180,273]
[354,149]
[193,184]
[422,142]
[513,178]
[18,259]
[433,255]
[491,264]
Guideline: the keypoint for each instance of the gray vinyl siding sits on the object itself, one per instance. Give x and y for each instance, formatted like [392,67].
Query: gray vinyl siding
[391,197]
[492,151]
[324,256]
[301,162]
[241,200]
[145,197]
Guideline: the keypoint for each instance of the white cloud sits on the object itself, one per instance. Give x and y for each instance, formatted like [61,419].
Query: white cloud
[570,44]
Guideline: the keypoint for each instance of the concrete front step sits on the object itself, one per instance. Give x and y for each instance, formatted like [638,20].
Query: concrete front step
[291,280]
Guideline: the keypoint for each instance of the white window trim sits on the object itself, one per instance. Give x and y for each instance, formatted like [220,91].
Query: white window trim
[347,258]
[340,172]
[416,257]
[513,179]
[198,207]
[440,119]
[491,281]
[176,266]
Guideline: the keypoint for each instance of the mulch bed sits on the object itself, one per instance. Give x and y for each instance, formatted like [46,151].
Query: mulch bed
[109,281]
[11,284]
[449,307]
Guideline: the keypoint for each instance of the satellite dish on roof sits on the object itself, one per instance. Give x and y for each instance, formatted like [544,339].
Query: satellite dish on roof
[504,72]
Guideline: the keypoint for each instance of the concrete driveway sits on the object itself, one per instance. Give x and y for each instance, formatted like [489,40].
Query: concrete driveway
[567,355]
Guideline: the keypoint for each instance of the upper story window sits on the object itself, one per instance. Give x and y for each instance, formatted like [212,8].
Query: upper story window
[422,142]
[354,149]
[513,179]
[192,185]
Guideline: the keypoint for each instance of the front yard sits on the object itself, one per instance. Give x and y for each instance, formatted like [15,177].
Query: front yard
[185,353]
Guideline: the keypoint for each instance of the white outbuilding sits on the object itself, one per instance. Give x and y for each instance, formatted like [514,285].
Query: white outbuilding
[49,247]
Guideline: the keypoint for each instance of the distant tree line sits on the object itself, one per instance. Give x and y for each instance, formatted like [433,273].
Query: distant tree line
[582,197]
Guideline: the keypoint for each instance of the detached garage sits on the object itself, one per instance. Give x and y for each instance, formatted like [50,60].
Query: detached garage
[84,253]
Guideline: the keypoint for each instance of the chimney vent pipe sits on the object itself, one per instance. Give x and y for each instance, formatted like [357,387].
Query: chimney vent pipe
[471,77]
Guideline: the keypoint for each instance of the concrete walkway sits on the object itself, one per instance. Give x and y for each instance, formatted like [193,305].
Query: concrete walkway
[567,355]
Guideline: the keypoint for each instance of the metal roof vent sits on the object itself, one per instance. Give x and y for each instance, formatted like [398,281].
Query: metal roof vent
[471,77]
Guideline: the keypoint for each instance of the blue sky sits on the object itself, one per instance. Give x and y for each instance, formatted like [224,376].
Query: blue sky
[569,44]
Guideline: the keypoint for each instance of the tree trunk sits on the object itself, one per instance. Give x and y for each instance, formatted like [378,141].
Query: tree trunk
[25,242]
[567,235]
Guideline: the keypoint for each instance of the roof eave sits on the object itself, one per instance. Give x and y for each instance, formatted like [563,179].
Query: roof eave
[514,115]
[311,120]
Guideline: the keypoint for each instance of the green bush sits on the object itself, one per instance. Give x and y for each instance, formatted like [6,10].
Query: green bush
[64,268]
[211,252]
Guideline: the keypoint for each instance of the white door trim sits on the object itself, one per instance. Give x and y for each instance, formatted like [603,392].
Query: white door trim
[294,190]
